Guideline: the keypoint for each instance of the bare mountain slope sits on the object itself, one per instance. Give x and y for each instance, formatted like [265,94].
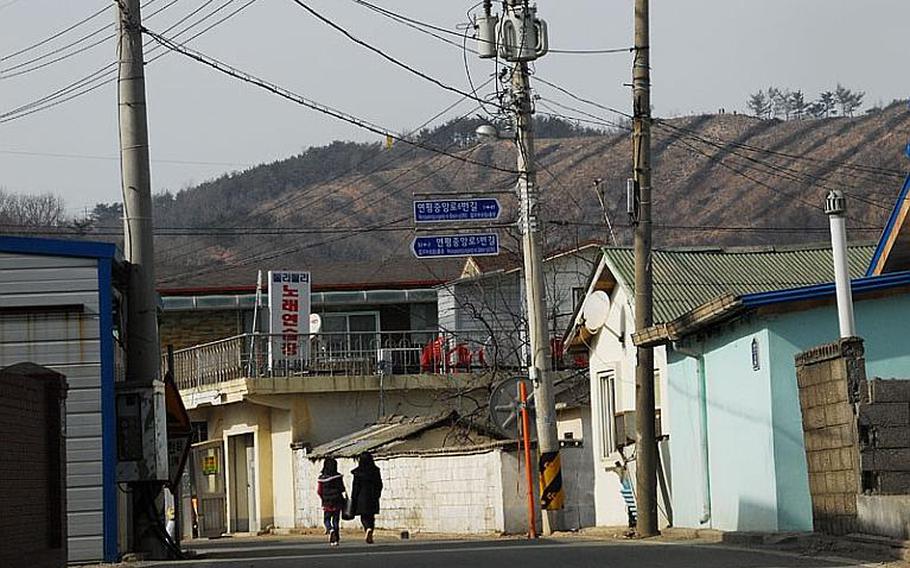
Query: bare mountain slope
[719,180]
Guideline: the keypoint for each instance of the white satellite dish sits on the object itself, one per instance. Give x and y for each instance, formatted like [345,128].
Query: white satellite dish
[315,323]
[596,309]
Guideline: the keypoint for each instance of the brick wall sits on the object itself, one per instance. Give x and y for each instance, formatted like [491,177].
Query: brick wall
[884,434]
[186,329]
[829,379]
[32,467]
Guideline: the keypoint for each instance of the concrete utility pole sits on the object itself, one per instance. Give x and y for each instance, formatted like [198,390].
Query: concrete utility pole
[540,364]
[143,351]
[646,438]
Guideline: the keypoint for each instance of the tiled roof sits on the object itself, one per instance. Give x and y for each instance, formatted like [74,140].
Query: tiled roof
[686,279]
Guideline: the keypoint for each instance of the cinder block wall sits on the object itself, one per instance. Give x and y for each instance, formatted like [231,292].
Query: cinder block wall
[32,471]
[829,379]
[884,433]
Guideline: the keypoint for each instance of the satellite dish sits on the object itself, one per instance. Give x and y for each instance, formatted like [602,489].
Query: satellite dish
[315,323]
[596,309]
[505,407]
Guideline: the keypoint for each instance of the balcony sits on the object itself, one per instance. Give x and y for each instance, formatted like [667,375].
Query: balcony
[345,354]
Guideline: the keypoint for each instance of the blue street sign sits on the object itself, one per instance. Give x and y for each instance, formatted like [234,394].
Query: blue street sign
[445,246]
[436,210]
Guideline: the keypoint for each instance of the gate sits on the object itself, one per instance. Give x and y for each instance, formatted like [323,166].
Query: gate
[208,479]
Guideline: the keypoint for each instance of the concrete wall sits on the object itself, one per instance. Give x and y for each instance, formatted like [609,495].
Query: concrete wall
[886,515]
[456,493]
[468,491]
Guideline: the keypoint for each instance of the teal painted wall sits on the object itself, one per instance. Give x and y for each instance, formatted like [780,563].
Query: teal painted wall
[685,427]
[758,478]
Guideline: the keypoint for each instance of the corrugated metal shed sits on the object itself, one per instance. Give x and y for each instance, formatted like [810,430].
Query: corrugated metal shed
[686,279]
[56,302]
[389,430]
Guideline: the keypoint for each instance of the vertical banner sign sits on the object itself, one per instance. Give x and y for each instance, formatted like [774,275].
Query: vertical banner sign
[289,318]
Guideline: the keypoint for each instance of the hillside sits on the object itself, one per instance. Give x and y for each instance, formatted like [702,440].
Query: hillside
[718,180]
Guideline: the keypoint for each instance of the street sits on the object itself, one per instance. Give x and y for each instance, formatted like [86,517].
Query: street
[287,553]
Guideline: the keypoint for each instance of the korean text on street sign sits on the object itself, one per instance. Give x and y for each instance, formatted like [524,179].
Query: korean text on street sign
[480,209]
[443,246]
[289,315]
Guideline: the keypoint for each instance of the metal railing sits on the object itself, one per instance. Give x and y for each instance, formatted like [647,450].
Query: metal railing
[346,354]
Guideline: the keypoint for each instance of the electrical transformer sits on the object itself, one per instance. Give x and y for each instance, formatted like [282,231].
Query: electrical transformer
[522,35]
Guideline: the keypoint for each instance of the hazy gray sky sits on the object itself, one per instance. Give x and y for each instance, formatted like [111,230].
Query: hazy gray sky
[706,54]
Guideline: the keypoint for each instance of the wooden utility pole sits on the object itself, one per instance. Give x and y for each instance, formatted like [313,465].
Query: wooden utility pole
[646,436]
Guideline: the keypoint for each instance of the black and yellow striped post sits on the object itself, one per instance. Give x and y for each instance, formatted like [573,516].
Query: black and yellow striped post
[552,496]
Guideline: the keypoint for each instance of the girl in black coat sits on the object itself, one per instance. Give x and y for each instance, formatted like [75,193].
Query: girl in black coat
[365,493]
[330,488]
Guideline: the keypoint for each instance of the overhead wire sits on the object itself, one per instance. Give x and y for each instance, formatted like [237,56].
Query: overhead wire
[395,61]
[107,73]
[58,34]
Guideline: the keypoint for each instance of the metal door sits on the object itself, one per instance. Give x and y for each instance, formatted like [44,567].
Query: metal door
[242,483]
[208,473]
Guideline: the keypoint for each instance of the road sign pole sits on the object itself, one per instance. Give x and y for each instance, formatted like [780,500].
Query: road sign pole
[526,438]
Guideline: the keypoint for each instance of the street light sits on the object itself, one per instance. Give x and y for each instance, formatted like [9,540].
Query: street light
[490,132]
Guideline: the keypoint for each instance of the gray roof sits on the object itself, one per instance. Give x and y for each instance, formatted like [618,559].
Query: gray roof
[388,430]
[685,279]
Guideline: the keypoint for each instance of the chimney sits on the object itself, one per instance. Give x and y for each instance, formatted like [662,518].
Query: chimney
[836,208]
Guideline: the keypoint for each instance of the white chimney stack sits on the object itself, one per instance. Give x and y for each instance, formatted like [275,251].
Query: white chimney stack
[836,208]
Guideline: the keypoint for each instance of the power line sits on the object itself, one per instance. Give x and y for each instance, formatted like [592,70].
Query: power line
[115,158]
[54,36]
[18,68]
[231,71]
[417,24]
[385,55]
[107,73]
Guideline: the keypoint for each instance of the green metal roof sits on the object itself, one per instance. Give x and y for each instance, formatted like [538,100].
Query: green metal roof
[685,279]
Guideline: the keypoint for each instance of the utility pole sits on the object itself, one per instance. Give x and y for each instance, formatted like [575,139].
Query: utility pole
[143,351]
[540,363]
[518,38]
[645,438]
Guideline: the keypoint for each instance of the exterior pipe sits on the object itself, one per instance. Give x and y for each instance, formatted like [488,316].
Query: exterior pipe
[699,357]
[835,207]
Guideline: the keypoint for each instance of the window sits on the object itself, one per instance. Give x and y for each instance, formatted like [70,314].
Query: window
[607,398]
[200,432]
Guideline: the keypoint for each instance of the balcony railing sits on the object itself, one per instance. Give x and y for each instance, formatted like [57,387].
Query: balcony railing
[346,354]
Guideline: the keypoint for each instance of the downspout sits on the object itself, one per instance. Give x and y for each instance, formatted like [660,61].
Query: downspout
[699,357]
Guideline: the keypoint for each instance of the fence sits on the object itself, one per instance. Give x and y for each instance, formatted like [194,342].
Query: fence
[344,353]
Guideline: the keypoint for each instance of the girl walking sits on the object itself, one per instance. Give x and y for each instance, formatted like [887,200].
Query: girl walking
[330,488]
[365,493]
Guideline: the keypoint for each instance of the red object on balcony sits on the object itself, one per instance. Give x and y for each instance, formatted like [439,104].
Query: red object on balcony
[431,356]
[459,357]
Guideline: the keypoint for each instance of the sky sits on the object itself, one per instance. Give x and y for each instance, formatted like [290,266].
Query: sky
[706,55]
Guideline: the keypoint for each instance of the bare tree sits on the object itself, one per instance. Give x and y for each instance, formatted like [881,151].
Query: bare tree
[31,211]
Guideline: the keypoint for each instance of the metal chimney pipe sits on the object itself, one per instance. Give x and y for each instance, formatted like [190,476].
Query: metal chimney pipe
[836,208]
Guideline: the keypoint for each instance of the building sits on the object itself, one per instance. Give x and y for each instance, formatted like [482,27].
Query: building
[603,329]
[60,307]
[486,304]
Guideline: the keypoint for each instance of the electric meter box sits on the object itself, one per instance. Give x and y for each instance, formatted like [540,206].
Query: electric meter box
[141,433]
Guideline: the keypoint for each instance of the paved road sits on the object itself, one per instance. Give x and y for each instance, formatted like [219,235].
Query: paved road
[545,553]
